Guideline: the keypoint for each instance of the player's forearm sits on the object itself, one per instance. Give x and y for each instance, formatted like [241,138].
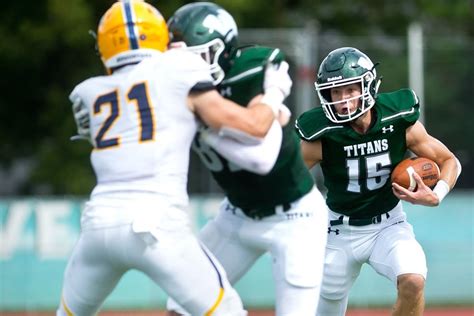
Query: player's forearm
[261,117]
[255,121]
[450,170]
[217,112]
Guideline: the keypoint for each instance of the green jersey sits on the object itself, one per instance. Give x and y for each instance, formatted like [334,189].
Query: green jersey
[289,179]
[357,167]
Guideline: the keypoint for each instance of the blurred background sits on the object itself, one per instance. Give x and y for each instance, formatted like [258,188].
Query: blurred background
[44,177]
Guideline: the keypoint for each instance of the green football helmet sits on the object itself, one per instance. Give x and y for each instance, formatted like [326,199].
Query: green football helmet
[208,30]
[344,66]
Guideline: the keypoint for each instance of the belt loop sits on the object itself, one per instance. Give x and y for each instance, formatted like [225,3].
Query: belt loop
[279,209]
[345,220]
[377,219]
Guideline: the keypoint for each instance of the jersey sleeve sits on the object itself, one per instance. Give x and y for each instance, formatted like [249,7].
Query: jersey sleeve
[251,60]
[312,125]
[244,80]
[86,92]
[79,91]
[276,56]
[74,94]
[402,105]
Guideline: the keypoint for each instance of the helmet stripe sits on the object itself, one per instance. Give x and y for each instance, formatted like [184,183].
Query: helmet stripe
[130,25]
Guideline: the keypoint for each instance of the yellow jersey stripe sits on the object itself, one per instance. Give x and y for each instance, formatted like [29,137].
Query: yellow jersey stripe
[68,311]
[219,299]
[221,286]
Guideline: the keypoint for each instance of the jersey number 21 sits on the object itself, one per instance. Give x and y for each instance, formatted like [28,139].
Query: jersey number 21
[138,95]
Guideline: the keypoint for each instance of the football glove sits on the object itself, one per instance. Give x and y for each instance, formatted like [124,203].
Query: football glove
[81,117]
[277,85]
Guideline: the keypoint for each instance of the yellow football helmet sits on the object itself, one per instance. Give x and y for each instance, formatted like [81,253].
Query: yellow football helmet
[130,31]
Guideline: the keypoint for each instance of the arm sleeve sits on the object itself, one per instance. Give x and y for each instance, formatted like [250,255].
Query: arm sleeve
[257,158]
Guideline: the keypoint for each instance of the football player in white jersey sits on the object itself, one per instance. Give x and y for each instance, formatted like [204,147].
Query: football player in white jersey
[140,120]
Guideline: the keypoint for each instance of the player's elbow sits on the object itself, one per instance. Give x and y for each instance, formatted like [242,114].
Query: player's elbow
[459,167]
[260,131]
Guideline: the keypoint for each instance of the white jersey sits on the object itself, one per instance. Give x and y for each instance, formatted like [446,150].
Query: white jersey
[141,126]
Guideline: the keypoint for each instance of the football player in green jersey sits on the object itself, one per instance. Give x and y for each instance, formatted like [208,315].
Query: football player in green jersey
[358,137]
[269,207]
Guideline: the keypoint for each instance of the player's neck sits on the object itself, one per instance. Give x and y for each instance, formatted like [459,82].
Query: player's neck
[363,123]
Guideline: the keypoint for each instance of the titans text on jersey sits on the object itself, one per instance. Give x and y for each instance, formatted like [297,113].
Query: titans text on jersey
[366,148]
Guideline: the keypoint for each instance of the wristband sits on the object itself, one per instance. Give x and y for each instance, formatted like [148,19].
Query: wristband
[441,189]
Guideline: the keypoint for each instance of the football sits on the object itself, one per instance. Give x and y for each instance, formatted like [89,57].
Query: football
[426,168]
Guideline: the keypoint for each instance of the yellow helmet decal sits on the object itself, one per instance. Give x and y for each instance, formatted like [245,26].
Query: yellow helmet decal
[129,22]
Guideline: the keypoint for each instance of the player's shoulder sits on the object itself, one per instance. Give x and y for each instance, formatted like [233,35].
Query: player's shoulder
[401,104]
[88,86]
[178,66]
[250,60]
[313,124]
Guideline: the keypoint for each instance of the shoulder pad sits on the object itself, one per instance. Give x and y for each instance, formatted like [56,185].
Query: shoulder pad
[401,104]
[86,87]
[313,124]
[183,66]
[249,60]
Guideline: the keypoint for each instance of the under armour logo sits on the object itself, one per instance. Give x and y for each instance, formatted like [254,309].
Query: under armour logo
[333,231]
[227,92]
[387,129]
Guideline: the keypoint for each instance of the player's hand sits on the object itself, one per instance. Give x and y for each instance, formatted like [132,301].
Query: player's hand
[277,85]
[81,117]
[277,77]
[423,195]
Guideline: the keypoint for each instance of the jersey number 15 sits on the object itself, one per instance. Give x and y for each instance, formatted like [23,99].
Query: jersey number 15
[377,170]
